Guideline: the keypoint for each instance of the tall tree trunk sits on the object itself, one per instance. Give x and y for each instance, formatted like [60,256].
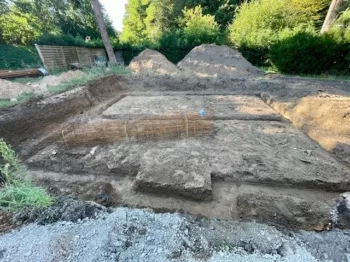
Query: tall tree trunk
[331,15]
[101,26]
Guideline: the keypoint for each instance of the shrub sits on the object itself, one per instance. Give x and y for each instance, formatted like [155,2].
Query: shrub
[198,28]
[307,53]
[260,23]
[17,30]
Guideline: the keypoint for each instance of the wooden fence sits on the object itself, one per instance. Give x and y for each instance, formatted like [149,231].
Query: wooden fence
[60,57]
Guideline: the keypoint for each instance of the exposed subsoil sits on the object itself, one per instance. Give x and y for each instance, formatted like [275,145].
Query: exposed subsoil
[152,62]
[213,60]
[251,165]
[11,90]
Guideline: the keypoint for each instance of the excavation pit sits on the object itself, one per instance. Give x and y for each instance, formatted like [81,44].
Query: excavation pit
[219,156]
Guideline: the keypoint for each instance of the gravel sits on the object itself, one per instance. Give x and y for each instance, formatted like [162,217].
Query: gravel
[129,234]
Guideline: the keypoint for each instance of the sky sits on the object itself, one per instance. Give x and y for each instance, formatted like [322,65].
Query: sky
[116,11]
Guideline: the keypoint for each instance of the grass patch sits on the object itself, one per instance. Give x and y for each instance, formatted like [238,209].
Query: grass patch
[22,98]
[90,74]
[17,190]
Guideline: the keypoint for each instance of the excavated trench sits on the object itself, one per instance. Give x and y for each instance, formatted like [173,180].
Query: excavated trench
[221,154]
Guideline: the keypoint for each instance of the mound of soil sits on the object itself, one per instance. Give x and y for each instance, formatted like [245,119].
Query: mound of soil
[55,80]
[64,209]
[153,62]
[10,89]
[212,60]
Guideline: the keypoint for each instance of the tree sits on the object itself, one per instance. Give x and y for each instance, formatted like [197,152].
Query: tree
[100,23]
[258,24]
[331,15]
[199,28]
[15,29]
[223,10]
[134,31]
[161,17]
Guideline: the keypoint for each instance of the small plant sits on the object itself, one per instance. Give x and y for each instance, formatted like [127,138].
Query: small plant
[16,190]
[21,98]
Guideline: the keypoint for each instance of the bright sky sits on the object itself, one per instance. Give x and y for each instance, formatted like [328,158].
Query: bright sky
[116,11]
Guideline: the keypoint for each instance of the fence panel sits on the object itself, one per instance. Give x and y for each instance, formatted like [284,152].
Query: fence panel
[60,57]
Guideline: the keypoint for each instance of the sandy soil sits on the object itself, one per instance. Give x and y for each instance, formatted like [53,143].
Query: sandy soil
[9,90]
[213,60]
[55,80]
[152,62]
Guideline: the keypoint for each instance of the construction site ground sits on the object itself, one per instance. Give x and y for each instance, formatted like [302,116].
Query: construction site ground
[271,149]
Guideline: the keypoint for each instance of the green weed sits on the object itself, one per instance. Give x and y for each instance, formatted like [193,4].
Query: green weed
[22,98]
[16,190]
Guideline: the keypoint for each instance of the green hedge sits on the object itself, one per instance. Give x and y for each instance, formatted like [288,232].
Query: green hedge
[305,53]
[16,57]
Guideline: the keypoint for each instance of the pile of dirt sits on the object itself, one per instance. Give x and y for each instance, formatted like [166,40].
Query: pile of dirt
[5,222]
[212,60]
[55,80]
[9,90]
[65,208]
[153,62]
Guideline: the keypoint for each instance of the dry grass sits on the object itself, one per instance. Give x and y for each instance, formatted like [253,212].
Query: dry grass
[109,131]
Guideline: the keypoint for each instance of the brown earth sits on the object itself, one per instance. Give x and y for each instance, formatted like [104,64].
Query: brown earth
[54,80]
[213,60]
[152,62]
[323,114]
[253,165]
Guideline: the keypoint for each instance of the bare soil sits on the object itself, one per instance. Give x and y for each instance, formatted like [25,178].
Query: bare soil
[55,80]
[152,62]
[252,165]
[213,60]
[11,90]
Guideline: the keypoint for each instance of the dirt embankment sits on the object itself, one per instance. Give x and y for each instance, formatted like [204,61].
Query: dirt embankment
[213,60]
[322,112]
[55,80]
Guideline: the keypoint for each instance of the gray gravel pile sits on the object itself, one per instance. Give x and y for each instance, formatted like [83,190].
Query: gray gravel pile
[142,235]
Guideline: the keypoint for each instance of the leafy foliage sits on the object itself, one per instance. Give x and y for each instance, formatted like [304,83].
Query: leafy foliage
[25,20]
[18,191]
[134,22]
[199,28]
[14,57]
[341,28]
[311,53]
[146,21]
[222,10]
[258,24]
[16,29]
[285,33]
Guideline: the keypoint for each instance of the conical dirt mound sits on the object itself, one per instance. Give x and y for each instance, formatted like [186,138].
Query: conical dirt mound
[213,60]
[153,62]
